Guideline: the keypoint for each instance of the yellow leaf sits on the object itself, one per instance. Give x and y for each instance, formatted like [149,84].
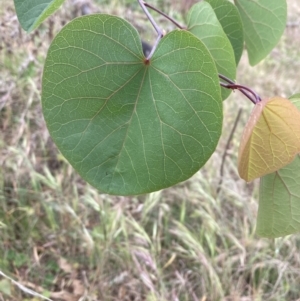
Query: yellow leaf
[271,138]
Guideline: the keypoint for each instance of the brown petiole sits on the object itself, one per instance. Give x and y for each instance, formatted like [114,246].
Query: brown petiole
[249,93]
[164,15]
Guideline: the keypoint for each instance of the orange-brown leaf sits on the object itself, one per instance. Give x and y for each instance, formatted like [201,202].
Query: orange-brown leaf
[271,138]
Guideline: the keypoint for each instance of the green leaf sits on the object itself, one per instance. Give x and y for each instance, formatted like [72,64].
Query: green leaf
[128,126]
[295,99]
[230,19]
[204,24]
[264,23]
[279,202]
[279,199]
[31,13]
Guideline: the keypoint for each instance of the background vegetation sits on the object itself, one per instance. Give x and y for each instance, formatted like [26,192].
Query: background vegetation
[62,238]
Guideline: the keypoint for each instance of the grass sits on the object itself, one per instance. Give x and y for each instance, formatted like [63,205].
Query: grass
[62,238]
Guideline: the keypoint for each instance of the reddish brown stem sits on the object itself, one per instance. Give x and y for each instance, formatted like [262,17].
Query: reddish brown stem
[249,93]
[164,15]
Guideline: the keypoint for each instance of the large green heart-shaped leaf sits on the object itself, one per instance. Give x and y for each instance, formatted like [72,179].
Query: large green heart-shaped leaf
[31,13]
[229,17]
[279,199]
[264,22]
[204,24]
[129,126]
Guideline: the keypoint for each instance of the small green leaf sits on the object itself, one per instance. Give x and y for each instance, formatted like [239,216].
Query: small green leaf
[264,22]
[204,24]
[31,13]
[129,126]
[230,19]
[279,199]
[295,99]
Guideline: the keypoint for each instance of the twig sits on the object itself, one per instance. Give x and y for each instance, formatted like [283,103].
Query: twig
[227,147]
[232,85]
[164,15]
[156,27]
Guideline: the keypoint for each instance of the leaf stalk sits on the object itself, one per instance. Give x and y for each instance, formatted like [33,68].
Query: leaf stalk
[156,27]
[249,93]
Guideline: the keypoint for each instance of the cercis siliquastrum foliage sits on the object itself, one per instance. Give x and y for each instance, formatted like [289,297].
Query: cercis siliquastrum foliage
[132,124]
